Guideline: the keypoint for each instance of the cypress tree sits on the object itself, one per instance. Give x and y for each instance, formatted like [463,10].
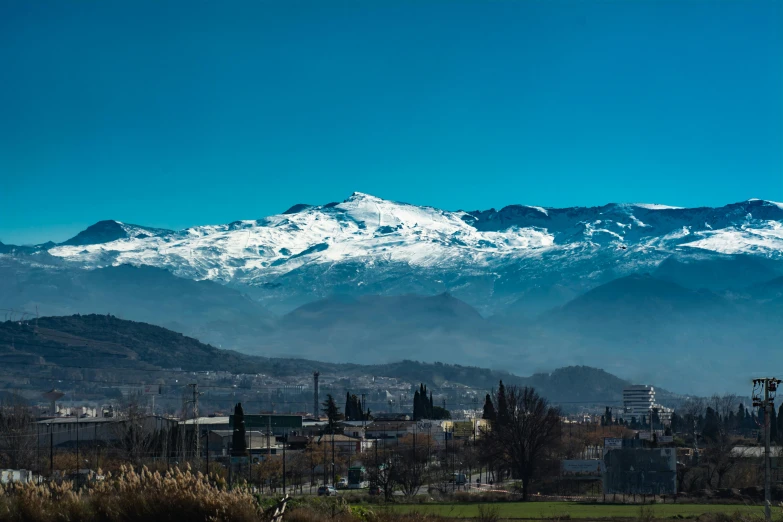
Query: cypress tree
[489,409]
[503,417]
[416,406]
[238,442]
[332,412]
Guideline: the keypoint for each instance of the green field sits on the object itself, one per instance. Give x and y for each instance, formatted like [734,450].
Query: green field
[575,510]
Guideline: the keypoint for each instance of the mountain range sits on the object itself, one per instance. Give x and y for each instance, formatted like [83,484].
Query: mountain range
[687,297]
[113,350]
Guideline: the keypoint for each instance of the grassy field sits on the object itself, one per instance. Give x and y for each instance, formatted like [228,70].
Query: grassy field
[573,510]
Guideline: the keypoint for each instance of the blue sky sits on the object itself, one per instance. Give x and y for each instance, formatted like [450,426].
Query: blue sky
[180,113]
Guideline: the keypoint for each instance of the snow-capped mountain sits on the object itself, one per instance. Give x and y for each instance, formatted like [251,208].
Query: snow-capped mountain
[369,280]
[370,245]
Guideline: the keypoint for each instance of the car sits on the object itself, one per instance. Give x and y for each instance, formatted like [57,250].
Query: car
[327,491]
[342,483]
[375,490]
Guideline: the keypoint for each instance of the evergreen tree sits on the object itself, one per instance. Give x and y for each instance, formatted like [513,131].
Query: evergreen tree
[441,413]
[238,442]
[655,419]
[711,429]
[348,406]
[780,421]
[331,411]
[489,409]
[608,416]
[503,417]
[676,423]
[432,407]
[417,415]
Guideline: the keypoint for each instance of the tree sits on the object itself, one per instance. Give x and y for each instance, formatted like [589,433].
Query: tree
[489,409]
[417,413]
[440,413]
[332,412]
[348,406]
[134,435]
[502,417]
[712,428]
[17,436]
[409,463]
[238,442]
[353,408]
[608,416]
[676,423]
[780,421]
[655,419]
[532,427]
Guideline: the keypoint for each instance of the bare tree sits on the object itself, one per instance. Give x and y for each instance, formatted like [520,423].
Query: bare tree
[409,464]
[692,411]
[532,428]
[17,436]
[135,436]
[381,473]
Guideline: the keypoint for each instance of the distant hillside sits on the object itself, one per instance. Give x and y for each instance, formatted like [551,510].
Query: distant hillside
[371,329]
[117,346]
[104,341]
[716,272]
[212,312]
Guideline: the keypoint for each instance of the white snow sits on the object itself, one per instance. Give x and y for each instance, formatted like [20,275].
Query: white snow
[779,205]
[766,240]
[375,231]
[540,209]
[655,206]
[362,227]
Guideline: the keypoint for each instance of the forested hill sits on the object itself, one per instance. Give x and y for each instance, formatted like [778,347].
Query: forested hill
[108,343]
[104,341]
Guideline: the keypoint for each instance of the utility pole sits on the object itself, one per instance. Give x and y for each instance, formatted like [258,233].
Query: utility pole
[315,395]
[51,451]
[269,427]
[77,449]
[767,401]
[196,431]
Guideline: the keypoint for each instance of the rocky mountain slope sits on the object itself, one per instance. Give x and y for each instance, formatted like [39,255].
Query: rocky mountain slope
[367,245]
[641,290]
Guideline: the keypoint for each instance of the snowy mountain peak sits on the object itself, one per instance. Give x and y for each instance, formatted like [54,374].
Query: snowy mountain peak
[373,236]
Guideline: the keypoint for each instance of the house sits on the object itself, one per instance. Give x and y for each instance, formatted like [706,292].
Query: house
[388,429]
[66,431]
[22,476]
[219,443]
[346,444]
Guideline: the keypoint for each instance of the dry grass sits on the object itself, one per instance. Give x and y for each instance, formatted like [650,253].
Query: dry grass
[130,496]
[173,495]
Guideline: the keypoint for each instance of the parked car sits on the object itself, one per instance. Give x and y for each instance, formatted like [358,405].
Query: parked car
[375,490]
[327,491]
[342,483]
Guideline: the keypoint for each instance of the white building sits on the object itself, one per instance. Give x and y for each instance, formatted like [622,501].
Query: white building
[638,400]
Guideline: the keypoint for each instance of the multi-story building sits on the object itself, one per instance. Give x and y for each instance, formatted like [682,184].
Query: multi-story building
[638,400]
